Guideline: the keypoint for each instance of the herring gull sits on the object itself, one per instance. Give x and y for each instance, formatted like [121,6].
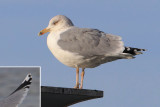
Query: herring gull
[17,96]
[84,47]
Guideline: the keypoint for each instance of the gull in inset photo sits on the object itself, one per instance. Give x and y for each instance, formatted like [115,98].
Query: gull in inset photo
[84,47]
[17,96]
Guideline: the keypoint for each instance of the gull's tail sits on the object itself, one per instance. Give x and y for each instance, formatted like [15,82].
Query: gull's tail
[17,96]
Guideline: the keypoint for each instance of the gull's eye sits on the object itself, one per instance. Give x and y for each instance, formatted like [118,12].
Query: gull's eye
[55,22]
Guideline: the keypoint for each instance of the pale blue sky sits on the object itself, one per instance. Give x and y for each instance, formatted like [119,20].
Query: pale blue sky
[126,83]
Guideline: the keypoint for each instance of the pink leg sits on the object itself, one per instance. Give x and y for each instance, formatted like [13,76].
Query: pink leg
[82,77]
[77,78]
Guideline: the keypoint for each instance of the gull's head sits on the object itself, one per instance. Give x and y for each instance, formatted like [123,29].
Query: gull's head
[57,23]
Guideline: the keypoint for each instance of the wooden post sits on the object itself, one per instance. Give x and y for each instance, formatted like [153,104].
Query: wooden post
[63,97]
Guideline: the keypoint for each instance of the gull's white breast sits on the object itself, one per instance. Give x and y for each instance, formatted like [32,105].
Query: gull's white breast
[65,57]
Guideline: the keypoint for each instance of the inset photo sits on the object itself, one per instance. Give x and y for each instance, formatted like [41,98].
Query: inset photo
[20,86]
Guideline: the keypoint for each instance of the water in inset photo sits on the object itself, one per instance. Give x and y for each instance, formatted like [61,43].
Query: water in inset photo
[19,86]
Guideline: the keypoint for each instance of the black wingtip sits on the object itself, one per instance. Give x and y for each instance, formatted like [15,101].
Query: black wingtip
[133,51]
[26,83]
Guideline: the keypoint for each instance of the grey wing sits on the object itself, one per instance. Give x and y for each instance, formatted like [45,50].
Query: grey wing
[90,42]
[17,97]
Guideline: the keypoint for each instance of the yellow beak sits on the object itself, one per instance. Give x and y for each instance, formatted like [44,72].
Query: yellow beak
[43,31]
